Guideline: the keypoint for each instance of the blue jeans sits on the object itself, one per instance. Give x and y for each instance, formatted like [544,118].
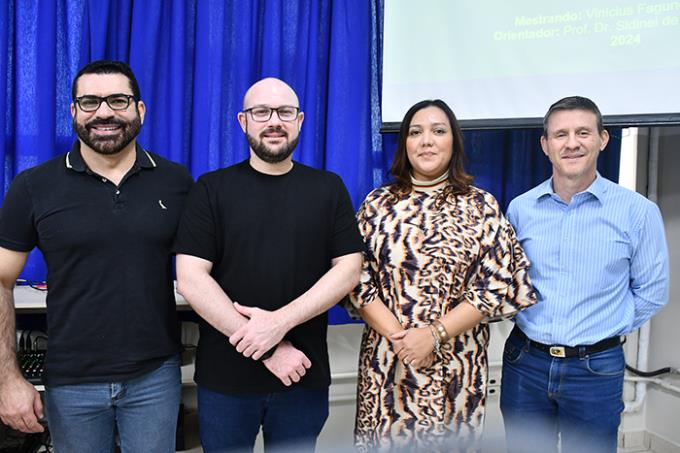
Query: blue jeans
[291,420]
[578,397]
[82,417]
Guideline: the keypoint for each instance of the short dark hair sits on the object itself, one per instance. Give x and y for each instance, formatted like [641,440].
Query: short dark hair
[107,67]
[459,181]
[573,103]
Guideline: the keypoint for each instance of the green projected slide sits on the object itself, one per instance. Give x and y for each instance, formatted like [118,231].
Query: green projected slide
[531,53]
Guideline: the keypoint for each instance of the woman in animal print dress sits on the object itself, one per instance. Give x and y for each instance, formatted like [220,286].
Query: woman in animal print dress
[440,261]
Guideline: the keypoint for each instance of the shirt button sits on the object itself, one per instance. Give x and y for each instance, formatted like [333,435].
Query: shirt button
[117,192]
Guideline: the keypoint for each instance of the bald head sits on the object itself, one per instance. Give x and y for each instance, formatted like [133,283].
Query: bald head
[270,92]
[271,119]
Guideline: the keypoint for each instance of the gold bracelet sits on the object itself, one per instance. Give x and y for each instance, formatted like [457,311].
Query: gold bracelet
[441,331]
[435,339]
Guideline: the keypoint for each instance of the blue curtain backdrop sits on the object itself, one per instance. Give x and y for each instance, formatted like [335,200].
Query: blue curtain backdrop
[194,60]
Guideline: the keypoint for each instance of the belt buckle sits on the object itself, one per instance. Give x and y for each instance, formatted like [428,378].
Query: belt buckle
[558,351]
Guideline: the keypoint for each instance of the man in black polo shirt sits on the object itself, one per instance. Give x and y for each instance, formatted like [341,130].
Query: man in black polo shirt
[104,216]
[281,239]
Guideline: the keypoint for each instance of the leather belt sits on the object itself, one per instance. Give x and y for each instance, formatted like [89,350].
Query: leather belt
[560,351]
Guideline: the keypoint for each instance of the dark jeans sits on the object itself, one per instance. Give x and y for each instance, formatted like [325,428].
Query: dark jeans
[290,420]
[578,397]
[82,417]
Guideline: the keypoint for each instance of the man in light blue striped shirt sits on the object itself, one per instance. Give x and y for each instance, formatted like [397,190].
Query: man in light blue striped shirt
[600,267]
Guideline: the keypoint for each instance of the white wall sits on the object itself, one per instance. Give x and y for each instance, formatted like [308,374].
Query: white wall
[343,350]
[662,414]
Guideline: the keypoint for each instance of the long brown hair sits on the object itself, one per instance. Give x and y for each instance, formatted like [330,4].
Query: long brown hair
[459,180]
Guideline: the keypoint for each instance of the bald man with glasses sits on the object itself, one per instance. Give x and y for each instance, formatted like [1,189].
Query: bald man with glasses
[281,239]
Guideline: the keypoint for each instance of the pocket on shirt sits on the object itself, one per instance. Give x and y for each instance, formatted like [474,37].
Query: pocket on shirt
[607,363]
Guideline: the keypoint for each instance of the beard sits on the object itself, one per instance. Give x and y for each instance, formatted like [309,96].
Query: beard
[110,144]
[267,154]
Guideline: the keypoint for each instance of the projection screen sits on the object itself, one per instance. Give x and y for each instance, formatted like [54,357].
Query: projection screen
[501,64]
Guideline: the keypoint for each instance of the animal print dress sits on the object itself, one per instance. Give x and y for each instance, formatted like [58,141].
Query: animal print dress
[422,258]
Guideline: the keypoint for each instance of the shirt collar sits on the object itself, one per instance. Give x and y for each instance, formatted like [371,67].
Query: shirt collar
[597,188]
[544,189]
[74,159]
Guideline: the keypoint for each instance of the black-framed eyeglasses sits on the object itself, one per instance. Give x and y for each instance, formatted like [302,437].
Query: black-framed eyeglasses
[118,101]
[263,113]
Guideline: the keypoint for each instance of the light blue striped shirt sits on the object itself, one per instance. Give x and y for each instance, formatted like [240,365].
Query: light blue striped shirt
[599,264]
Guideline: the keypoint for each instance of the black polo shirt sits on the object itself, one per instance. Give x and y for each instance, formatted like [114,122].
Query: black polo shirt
[110,306]
[270,238]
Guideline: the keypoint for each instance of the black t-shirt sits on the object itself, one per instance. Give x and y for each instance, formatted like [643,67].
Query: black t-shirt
[270,239]
[111,310]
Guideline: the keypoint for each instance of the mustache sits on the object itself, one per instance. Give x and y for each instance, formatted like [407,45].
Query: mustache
[277,129]
[105,122]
